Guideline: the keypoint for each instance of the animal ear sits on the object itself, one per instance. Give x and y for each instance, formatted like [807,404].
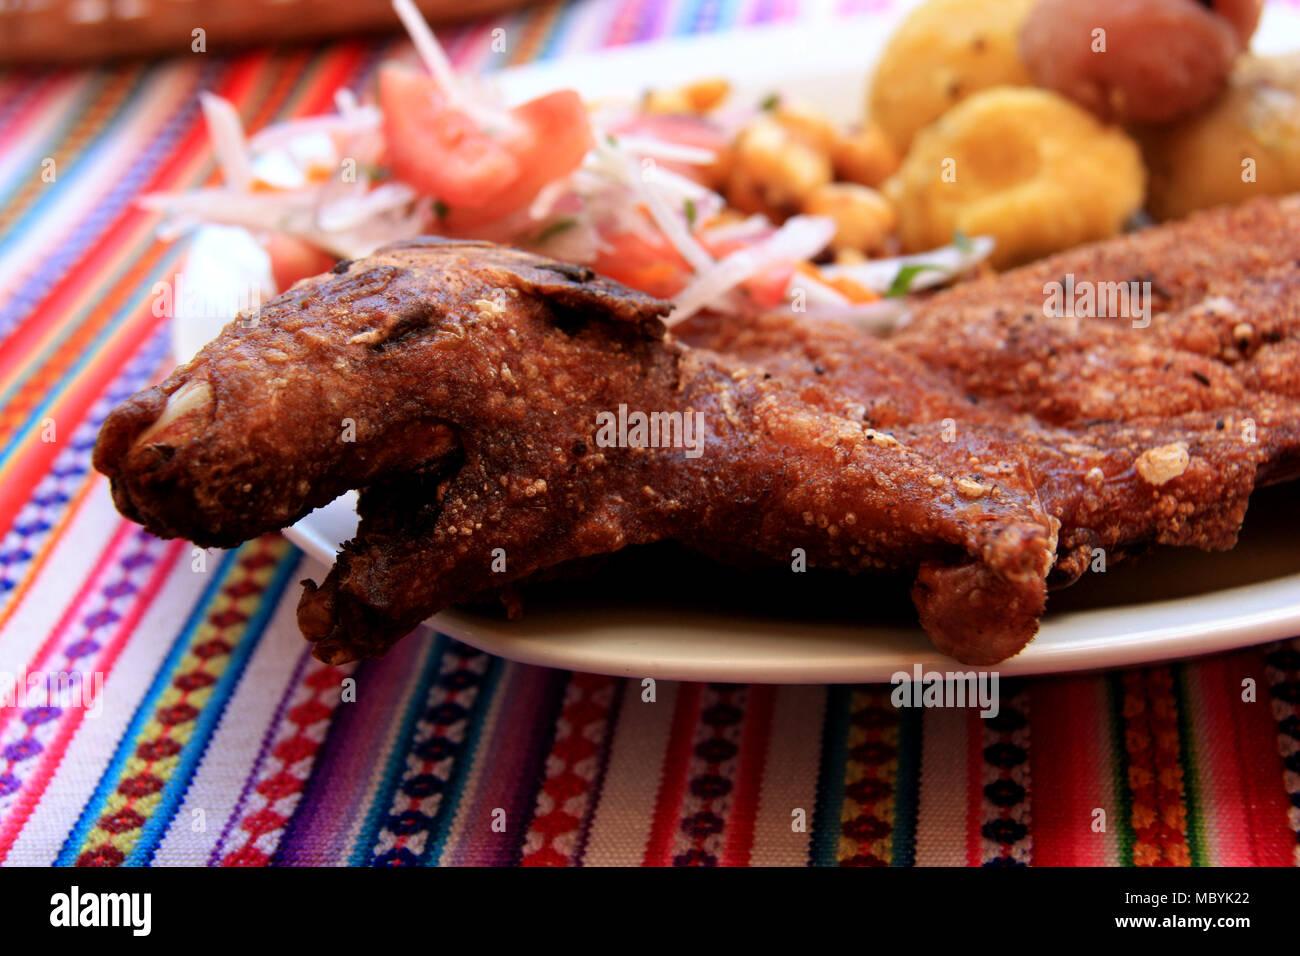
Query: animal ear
[577,289]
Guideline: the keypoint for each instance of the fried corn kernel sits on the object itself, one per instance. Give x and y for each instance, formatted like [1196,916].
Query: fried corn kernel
[865,156]
[864,219]
[1027,167]
[702,96]
[774,169]
[813,126]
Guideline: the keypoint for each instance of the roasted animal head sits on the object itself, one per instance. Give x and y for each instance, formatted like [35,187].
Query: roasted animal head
[365,372]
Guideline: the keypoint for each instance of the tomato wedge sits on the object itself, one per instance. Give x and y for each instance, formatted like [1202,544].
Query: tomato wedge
[293,259]
[654,266]
[651,265]
[478,174]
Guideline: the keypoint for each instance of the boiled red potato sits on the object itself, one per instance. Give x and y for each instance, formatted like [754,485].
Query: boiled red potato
[1137,61]
[478,174]
[1245,145]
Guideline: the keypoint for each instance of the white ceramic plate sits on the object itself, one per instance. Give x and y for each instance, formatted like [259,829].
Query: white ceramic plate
[1176,604]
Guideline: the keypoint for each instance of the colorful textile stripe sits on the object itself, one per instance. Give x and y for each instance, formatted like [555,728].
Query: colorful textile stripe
[137,797]
[84,645]
[1004,783]
[273,792]
[866,813]
[428,768]
[574,766]
[1158,807]
[189,724]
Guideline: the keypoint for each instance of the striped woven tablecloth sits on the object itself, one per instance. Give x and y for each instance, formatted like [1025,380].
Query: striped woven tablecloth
[217,739]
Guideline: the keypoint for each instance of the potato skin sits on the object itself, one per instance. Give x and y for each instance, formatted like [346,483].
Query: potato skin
[943,52]
[1157,60]
[1197,163]
[1027,166]
[1242,14]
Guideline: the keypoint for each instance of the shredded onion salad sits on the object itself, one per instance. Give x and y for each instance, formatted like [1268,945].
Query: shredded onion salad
[610,187]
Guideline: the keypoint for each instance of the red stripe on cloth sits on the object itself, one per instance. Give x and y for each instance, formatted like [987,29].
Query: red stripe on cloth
[749,775]
[33,462]
[1069,766]
[672,780]
[576,761]
[1249,806]
[974,787]
[234,86]
[83,594]
[48,88]
[53,754]
[300,731]
[32,465]
[1267,802]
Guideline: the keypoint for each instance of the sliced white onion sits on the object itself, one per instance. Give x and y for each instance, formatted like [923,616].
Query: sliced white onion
[623,167]
[815,293]
[877,318]
[750,228]
[227,134]
[349,212]
[800,239]
[672,152]
[358,119]
[427,46]
[948,262]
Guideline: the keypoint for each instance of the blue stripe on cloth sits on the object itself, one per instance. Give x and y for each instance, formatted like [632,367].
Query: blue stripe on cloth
[106,209]
[213,710]
[395,765]
[907,787]
[83,165]
[437,840]
[48,145]
[823,848]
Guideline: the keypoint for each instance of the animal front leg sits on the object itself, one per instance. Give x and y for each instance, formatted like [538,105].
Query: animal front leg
[418,552]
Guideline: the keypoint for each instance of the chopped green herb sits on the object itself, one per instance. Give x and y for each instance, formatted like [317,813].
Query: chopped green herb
[902,283]
[440,209]
[611,139]
[961,241]
[690,213]
[770,102]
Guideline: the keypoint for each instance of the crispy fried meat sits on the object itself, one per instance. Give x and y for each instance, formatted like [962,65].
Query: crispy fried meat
[988,447]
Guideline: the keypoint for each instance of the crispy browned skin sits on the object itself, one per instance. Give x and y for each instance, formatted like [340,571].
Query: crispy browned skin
[1218,368]
[473,376]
